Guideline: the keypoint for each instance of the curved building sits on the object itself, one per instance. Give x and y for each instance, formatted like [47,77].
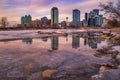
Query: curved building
[26,19]
[23,20]
[29,18]
[54,15]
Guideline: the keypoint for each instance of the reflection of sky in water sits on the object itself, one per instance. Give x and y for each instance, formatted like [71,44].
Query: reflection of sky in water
[63,43]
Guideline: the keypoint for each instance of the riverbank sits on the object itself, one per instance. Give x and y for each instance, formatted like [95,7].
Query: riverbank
[111,51]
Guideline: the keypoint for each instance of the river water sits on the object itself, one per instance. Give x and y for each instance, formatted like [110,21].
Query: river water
[71,55]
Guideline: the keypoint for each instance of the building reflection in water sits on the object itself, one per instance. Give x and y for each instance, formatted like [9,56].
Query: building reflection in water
[92,41]
[27,40]
[75,41]
[44,39]
[85,41]
[55,42]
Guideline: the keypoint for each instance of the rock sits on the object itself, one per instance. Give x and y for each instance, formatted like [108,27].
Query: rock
[35,76]
[118,59]
[96,65]
[30,68]
[118,66]
[104,37]
[48,73]
[102,68]
[95,77]
[80,71]
[114,55]
[108,75]
[117,48]
[116,38]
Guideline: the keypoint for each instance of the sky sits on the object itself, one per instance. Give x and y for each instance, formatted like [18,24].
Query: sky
[14,9]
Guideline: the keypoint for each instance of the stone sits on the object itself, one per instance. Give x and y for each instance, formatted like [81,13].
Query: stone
[118,66]
[48,73]
[80,71]
[30,68]
[104,37]
[113,74]
[35,76]
[116,38]
[118,59]
[96,65]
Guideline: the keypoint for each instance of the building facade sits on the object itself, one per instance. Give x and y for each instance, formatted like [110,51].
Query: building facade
[44,21]
[94,19]
[76,17]
[27,19]
[63,24]
[54,16]
[96,11]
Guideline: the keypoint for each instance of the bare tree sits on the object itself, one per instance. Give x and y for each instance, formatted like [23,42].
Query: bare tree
[4,22]
[112,9]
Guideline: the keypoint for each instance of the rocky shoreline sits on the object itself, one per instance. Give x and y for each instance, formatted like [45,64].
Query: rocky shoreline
[112,50]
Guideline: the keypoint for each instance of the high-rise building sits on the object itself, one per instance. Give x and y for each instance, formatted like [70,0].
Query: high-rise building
[92,14]
[44,21]
[29,19]
[63,24]
[26,19]
[99,20]
[96,11]
[76,17]
[23,20]
[86,16]
[91,22]
[54,16]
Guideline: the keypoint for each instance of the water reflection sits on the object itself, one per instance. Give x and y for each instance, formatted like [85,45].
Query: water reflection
[44,39]
[55,42]
[75,41]
[92,41]
[27,40]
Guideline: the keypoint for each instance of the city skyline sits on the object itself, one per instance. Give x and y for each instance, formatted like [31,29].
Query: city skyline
[41,8]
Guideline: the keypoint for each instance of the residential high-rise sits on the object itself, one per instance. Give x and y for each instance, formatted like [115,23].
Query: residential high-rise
[91,22]
[96,11]
[44,21]
[54,16]
[63,24]
[23,20]
[76,17]
[86,16]
[27,19]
